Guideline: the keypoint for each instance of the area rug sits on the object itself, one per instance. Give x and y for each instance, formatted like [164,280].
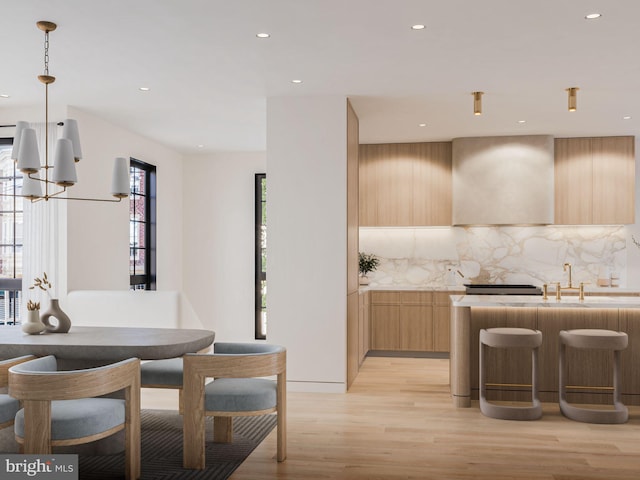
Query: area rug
[162,449]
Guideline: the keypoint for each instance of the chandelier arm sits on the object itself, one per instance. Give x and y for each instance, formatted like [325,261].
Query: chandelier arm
[109,200]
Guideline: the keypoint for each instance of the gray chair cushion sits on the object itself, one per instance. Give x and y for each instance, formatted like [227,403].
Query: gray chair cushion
[240,394]
[80,418]
[9,406]
[162,372]
[245,348]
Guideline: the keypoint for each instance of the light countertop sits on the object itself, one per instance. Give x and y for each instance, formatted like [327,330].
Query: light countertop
[538,302]
[613,291]
[414,288]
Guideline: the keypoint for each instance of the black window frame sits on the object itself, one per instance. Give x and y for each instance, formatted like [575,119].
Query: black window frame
[146,281]
[260,269]
[13,286]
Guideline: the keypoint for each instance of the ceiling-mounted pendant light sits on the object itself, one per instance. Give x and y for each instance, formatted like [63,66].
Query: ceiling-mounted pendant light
[573,98]
[477,102]
[67,151]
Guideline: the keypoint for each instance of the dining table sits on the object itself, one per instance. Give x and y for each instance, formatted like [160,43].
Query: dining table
[84,347]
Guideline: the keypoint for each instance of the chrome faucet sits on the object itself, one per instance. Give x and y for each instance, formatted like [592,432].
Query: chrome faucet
[568,265]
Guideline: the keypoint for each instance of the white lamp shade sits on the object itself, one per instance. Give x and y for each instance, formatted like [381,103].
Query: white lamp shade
[70,131]
[20,126]
[120,186]
[64,168]
[28,155]
[31,188]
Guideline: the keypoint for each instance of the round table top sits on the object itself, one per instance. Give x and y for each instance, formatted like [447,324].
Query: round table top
[105,343]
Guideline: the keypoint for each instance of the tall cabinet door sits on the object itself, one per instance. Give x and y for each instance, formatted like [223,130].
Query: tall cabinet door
[595,181]
[613,180]
[573,181]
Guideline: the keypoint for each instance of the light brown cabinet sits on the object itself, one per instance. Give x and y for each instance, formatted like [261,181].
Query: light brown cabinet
[405,184]
[363,326]
[410,321]
[594,180]
[589,371]
[442,320]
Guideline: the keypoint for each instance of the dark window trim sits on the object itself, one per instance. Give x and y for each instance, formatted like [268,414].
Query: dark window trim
[150,200]
[13,286]
[259,274]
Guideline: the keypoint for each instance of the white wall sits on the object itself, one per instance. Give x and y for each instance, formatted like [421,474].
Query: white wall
[219,244]
[98,233]
[633,231]
[307,237]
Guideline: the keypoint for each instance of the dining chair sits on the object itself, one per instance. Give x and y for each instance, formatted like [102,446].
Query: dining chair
[9,406]
[60,408]
[164,373]
[236,390]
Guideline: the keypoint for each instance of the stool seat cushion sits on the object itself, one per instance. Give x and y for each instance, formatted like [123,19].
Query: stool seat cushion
[162,372]
[504,337]
[594,338]
[80,418]
[9,406]
[240,395]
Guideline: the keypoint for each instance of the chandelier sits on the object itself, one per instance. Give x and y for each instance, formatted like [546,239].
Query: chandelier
[60,174]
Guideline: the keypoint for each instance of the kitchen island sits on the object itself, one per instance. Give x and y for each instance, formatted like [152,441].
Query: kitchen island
[509,370]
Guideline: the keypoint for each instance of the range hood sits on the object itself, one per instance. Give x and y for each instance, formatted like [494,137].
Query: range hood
[503,180]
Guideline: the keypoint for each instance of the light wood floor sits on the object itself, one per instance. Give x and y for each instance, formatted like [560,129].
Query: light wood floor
[398,422]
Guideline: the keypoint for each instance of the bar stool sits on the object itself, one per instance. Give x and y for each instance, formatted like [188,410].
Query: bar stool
[511,338]
[594,339]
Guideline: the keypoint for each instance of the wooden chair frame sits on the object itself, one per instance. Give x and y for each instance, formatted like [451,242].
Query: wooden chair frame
[5,365]
[197,368]
[37,389]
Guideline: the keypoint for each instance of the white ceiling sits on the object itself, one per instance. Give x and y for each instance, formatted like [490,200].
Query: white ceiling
[210,76]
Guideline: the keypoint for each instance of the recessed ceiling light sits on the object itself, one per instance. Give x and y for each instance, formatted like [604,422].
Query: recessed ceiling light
[296,81]
[418,26]
[144,89]
[627,117]
[592,16]
[200,146]
[522,121]
[422,124]
[262,35]
[4,95]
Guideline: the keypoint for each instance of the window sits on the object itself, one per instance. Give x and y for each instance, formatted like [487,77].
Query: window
[261,255]
[142,226]
[10,236]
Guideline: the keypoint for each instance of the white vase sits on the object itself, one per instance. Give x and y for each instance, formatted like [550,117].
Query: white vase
[33,325]
[364,280]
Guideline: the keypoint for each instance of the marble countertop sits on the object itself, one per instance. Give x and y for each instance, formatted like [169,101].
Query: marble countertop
[414,288]
[538,302]
[613,291]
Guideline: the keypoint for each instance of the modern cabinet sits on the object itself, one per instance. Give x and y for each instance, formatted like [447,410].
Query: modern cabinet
[589,371]
[405,184]
[353,334]
[363,326]
[410,320]
[442,320]
[594,180]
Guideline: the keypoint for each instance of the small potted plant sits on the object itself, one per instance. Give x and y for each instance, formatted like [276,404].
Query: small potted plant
[368,262]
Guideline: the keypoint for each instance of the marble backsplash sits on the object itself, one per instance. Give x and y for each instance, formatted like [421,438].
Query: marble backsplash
[536,254]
